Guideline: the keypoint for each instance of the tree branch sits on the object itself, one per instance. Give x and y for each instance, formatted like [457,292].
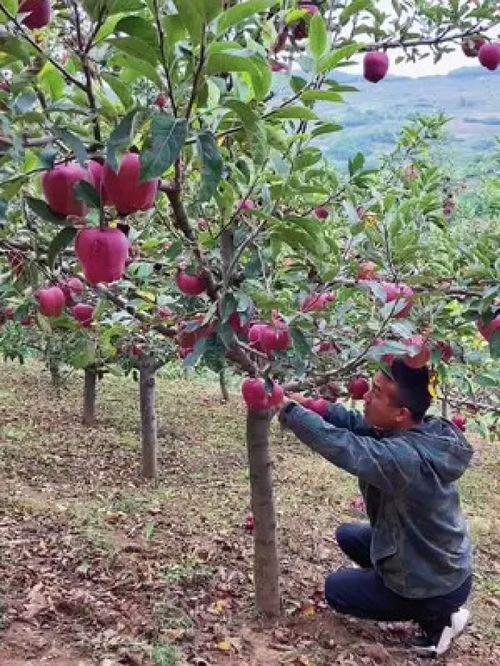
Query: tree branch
[161,40]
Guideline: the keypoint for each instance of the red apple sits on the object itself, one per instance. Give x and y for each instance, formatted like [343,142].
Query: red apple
[247,204]
[489,56]
[321,213]
[281,41]
[317,302]
[487,330]
[358,387]
[96,171]
[190,285]
[238,326]
[368,271]
[471,46]
[161,101]
[278,67]
[446,351]
[375,66]
[268,338]
[72,288]
[51,301]
[459,421]
[5,86]
[326,347]
[400,293]
[17,261]
[102,253]
[84,313]
[185,351]
[301,29]
[193,330]
[423,355]
[58,188]
[257,398]
[124,189]
[39,13]
[319,406]
[203,224]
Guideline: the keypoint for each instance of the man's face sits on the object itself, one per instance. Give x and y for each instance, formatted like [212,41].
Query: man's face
[382,407]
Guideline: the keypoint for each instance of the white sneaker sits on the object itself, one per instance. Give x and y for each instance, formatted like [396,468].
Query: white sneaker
[436,644]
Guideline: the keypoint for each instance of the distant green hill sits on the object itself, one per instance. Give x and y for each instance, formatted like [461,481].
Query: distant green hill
[373,117]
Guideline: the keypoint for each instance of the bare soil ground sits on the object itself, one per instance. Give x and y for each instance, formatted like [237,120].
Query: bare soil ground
[100,568]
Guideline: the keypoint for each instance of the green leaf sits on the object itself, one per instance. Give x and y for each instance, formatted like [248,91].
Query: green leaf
[121,138]
[354,7]
[72,142]
[295,113]
[331,60]
[54,81]
[12,7]
[325,128]
[25,103]
[168,138]
[40,208]
[86,192]
[136,48]
[240,12]
[191,18]
[121,90]
[321,96]
[212,165]
[142,67]
[253,126]
[138,27]
[59,243]
[318,36]
[230,57]
[301,347]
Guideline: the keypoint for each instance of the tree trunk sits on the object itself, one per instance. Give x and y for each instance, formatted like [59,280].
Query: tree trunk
[89,394]
[147,391]
[266,566]
[55,373]
[223,386]
[444,403]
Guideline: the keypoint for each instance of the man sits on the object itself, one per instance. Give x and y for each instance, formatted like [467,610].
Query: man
[416,554]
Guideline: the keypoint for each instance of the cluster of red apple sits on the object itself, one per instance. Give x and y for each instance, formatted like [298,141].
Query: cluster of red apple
[260,395]
[488,53]
[38,13]
[52,301]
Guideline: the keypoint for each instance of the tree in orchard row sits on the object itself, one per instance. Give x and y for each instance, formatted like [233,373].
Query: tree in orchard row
[230,149]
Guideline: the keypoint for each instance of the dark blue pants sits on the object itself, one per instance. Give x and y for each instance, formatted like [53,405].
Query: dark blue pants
[362,593]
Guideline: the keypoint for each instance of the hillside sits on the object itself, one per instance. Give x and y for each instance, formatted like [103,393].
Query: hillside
[373,117]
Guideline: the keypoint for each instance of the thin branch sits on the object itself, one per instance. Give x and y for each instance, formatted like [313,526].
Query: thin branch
[197,75]
[161,40]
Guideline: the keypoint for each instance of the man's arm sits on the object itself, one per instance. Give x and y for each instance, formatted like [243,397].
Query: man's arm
[346,418]
[388,464]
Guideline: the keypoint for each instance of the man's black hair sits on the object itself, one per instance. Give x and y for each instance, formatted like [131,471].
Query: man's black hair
[413,388]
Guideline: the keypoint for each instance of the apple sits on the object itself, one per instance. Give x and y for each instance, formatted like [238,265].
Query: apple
[84,314]
[316,302]
[165,313]
[238,326]
[102,253]
[321,213]
[247,204]
[39,13]
[190,285]
[278,67]
[51,301]
[5,86]
[72,288]
[489,56]
[375,66]
[471,46]
[268,338]
[257,398]
[281,41]
[17,262]
[487,330]
[358,387]
[301,30]
[422,357]
[446,351]
[184,352]
[367,271]
[319,406]
[399,292]
[203,224]
[58,188]
[326,347]
[96,171]
[124,188]
[193,330]
[459,421]
[161,101]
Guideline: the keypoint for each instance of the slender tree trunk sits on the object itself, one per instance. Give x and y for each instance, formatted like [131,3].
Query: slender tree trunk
[223,386]
[89,396]
[147,391]
[266,566]
[444,403]
[55,373]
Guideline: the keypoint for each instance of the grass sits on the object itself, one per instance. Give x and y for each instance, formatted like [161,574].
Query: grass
[165,569]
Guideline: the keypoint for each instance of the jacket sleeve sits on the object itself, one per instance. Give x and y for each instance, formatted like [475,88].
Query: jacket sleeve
[388,463]
[344,418]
